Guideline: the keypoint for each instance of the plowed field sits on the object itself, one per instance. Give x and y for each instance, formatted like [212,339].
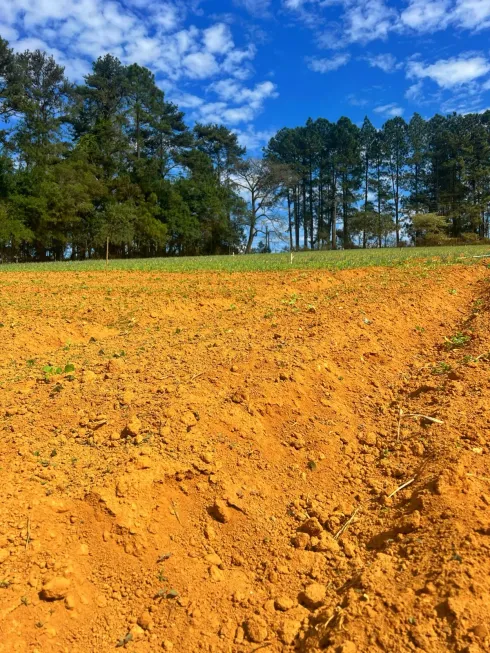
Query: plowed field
[290,461]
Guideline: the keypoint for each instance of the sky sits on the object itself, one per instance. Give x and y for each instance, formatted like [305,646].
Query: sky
[259,65]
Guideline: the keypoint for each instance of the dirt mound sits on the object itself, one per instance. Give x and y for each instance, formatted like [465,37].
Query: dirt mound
[230,463]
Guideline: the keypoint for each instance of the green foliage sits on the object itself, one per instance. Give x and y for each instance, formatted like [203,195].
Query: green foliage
[112,160]
[441,368]
[457,341]
[418,258]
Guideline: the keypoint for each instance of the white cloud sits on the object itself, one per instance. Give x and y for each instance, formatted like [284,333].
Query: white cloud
[254,7]
[187,100]
[326,65]
[217,39]
[8,32]
[134,31]
[236,103]
[386,62]
[200,65]
[414,92]
[368,20]
[237,62]
[230,90]
[453,72]
[362,21]
[390,110]
[254,140]
[472,14]
[426,15]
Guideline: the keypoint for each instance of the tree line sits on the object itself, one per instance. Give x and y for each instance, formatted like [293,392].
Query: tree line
[111,163]
[425,181]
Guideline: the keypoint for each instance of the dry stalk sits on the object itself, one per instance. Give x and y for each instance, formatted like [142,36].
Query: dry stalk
[339,534]
[402,415]
[431,419]
[403,485]
[28,534]
[174,511]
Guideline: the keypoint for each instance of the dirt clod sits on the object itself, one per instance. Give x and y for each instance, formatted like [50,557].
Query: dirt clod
[313,596]
[55,589]
[255,629]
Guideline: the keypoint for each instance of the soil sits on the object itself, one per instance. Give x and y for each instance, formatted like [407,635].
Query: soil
[232,463]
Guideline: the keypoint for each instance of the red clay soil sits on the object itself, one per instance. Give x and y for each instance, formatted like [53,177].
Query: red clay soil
[223,468]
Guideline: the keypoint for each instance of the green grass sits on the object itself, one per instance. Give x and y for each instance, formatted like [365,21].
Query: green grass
[328,260]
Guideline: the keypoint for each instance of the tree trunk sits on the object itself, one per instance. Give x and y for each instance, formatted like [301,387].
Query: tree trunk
[305,220]
[296,216]
[366,175]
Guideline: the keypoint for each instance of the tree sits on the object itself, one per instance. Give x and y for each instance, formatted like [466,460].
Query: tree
[396,143]
[368,143]
[349,170]
[41,107]
[260,181]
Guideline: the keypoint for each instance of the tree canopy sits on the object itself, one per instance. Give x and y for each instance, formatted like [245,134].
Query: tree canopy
[112,159]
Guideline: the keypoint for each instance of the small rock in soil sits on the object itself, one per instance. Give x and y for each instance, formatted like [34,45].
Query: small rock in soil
[312,527]
[301,541]
[55,589]
[283,603]
[288,631]
[255,629]
[145,620]
[133,427]
[220,511]
[313,596]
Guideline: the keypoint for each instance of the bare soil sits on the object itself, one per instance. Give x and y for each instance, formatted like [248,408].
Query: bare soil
[222,470]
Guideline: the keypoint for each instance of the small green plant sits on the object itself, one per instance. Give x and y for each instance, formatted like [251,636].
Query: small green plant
[457,341]
[453,291]
[419,329]
[54,370]
[441,368]
[51,370]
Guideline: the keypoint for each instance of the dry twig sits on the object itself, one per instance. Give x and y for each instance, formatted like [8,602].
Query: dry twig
[28,534]
[174,512]
[339,534]
[401,487]
[402,415]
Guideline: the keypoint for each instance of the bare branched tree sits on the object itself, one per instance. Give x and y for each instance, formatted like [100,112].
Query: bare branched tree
[261,181]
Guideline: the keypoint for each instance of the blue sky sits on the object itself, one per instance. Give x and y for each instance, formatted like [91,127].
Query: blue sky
[259,65]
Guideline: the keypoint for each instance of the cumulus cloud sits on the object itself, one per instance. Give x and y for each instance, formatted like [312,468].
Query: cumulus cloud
[326,65]
[230,90]
[368,20]
[438,14]
[414,92]
[389,110]
[425,16]
[386,62]
[255,7]
[149,34]
[452,72]
[217,39]
[362,21]
[156,35]
[254,140]
[235,102]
